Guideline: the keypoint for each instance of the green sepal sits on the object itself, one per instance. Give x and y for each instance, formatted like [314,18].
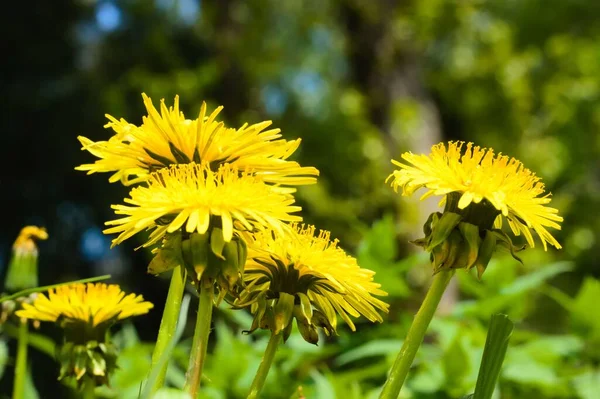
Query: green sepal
[242,251]
[486,250]
[440,254]
[420,242]
[320,320]
[431,221]
[217,242]
[472,241]
[97,363]
[455,240]
[283,311]
[80,360]
[230,268]
[442,229]
[287,331]
[308,332]
[179,155]
[503,241]
[198,254]
[267,321]
[168,256]
[304,309]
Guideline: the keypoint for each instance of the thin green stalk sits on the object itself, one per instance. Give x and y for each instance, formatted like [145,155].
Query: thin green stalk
[415,335]
[200,342]
[265,365]
[21,363]
[47,287]
[168,324]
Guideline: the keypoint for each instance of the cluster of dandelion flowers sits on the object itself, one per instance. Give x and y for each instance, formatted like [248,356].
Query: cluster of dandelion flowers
[85,312]
[480,189]
[307,277]
[168,138]
[192,196]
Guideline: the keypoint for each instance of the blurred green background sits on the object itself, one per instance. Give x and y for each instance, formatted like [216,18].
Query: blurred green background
[360,82]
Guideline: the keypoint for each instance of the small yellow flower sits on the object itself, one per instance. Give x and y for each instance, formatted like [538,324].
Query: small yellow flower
[194,197]
[318,277]
[168,138]
[477,175]
[91,304]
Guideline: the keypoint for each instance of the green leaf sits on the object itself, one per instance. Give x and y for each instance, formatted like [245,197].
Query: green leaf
[171,393]
[456,365]
[381,347]
[323,387]
[585,307]
[30,392]
[535,279]
[587,385]
[496,345]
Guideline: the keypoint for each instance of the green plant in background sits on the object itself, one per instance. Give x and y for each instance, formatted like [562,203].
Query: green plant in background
[479,189]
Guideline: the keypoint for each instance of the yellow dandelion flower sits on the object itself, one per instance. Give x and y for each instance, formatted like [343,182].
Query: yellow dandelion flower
[168,138]
[91,304]
[320,277]
[478,175]
[192,197]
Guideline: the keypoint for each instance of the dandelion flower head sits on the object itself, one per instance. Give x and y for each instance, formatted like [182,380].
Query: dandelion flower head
[168,138]
[478,174]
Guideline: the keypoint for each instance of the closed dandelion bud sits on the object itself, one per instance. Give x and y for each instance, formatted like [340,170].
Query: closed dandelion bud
[22,268]
[480,189]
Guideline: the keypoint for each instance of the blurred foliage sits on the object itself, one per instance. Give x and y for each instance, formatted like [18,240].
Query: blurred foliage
[359,82]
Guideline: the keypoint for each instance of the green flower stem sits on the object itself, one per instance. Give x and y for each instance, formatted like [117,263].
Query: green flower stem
[21,363]
[200,342]
[265,365]
[415,335]
[168,323]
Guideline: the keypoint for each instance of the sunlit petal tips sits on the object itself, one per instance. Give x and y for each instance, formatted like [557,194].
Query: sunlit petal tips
[92,304]
[193,197]
[167,137]
[476,174]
